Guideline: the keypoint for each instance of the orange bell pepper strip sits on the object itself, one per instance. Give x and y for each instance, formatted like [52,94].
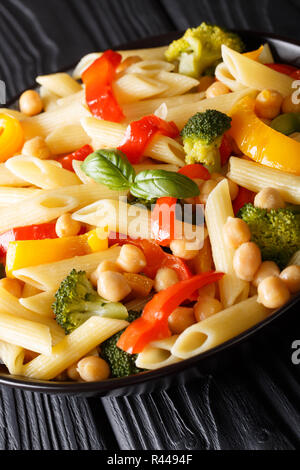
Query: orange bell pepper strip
[254,55]
[262,143]
[153,324]
[11,136]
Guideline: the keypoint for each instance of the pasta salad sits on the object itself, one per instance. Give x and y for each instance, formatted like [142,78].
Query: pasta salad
[149,207]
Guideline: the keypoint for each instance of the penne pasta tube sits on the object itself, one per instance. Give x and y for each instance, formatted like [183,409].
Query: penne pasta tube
[49,99]
[25,333]
[158,354]
[81,175]
[60,84]
[253,74]
[219,328]
[150,67]
[12,356]
[223,103]
[66,139]
[9,195]
[176,83]
[45,123]
[74,346]
[134,87]
[49,276]
[223,75]
[50,204]
[40,303]
[79,97]
[45,174]
[13,112]
[136,110]
[254,176]
[7,178]
[106,134]
[154,53]
[11,305]
[151,165]
[218,209]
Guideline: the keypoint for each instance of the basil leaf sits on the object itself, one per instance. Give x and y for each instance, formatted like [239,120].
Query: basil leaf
[109,167]
[150,184]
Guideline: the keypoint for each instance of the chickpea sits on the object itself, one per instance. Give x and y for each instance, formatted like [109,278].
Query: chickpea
[30,103]
[36,147]
[66,226]
[206,307]
[272,292]
[92,369]
[131,259]
[207,291]
[181,249]
[205,82]
[13,286]
[246,261]
[128,62]
[291,278]
[266,269]
[268,104]
[269,198]
[112,286]
[217,89]
[180,319]
[236,232]
[288,106]
[165,277]
[104,266]
[206,189]
[73,373]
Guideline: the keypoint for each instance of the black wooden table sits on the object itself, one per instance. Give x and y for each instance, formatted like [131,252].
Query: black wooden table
[252,404]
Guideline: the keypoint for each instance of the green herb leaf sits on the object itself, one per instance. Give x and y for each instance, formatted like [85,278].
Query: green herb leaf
[109,167]
[150,184]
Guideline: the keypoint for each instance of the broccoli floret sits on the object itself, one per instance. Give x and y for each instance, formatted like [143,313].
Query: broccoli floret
[76,300]
[120,362]
[200,48]
[276,232]
[202,136]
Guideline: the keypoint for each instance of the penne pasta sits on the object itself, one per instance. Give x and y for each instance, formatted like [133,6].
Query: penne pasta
[9,195]
[50,204]
[176,83]
[218,209]
[45,123]
[254,176]
[158,354]
[154,53]
[150,67]
[106,134]
[67,139]
[60,84]
[219,328]
[49,99]
[12,356]
[45,174]
[74,346]
[135,87]
[49,276]
[7,178]
[25,333]
[40,303]
[255,75]
[224,103]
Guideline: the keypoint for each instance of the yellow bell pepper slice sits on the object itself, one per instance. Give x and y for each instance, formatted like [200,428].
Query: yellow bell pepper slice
[24,253]
[262,143]
[11,136]
[95,241]
[254,55]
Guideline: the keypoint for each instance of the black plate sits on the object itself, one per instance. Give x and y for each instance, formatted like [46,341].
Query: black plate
[285,51]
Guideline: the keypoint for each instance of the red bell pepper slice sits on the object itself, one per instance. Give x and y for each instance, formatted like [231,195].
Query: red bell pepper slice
[244,196]
[98,78]
[295,74]
[195,170]
[225,149]
[79,154]
[30,232]
[153,324]
[163,220]
[139,134]
[156,257]
[283,68]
